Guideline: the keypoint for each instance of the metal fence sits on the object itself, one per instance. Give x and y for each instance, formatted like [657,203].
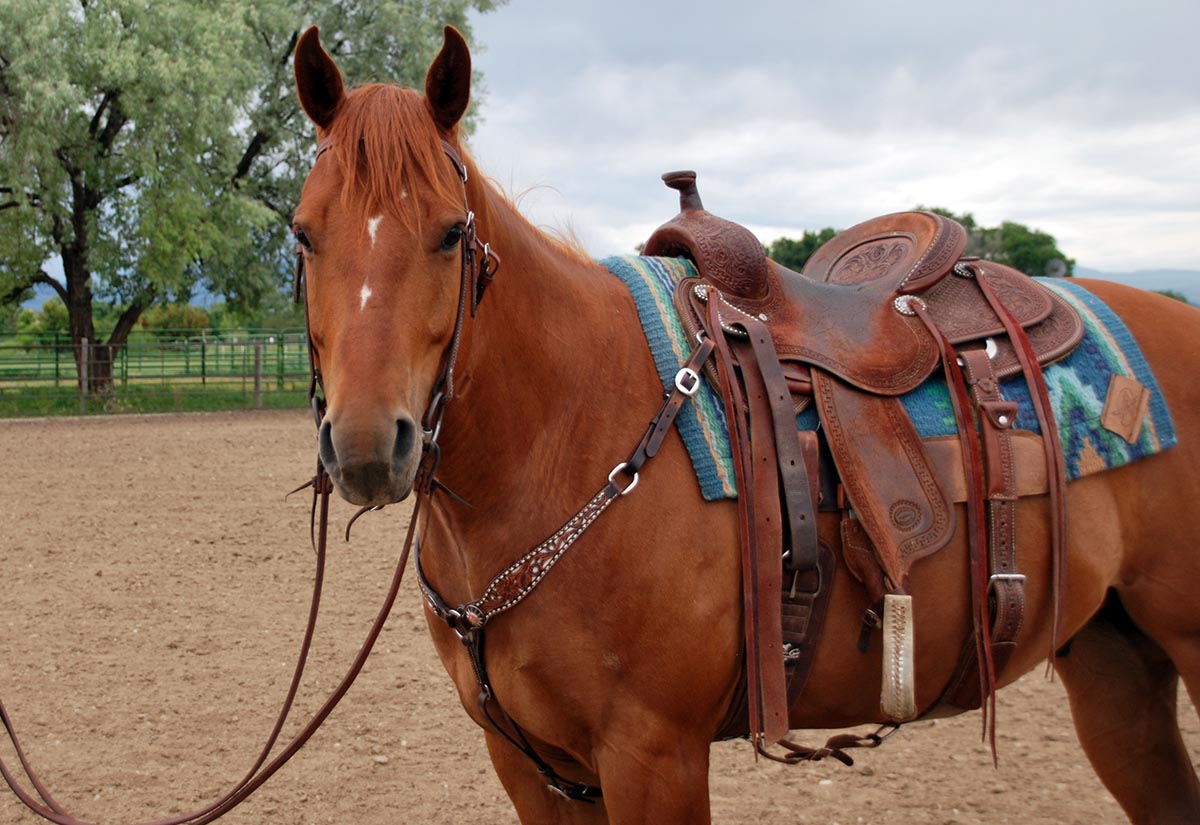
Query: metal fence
[154,371]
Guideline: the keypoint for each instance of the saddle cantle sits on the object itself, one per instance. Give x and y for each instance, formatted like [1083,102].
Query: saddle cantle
[877,311]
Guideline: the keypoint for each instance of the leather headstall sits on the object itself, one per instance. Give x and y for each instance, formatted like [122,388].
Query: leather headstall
[476,276]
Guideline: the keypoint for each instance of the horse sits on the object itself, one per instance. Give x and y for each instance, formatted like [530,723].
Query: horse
[616,673]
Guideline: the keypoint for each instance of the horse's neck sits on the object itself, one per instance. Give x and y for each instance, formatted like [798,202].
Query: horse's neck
[540,415]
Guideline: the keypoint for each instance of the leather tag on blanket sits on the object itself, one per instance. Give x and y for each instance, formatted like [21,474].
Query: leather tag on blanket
[1125,407]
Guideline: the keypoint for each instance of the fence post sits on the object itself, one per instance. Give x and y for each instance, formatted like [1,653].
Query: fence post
[258,374]
[84,359]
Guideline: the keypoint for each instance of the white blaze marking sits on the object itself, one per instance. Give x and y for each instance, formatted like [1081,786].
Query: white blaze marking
[364,295]
[372,229]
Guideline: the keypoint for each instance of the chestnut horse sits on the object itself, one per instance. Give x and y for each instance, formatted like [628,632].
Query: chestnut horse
[619,668]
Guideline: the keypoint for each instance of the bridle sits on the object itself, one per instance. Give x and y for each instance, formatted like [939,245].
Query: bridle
[476,275]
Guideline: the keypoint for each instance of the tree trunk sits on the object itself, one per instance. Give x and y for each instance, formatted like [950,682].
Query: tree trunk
[75,247]
[82,322]
[77,272]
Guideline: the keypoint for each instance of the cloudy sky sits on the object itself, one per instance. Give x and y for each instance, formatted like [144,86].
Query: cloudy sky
[1081,119]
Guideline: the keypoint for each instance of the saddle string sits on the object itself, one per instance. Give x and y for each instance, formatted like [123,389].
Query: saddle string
[977,537]
[1052,445]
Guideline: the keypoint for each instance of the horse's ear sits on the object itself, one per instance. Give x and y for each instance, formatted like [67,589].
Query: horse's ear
[318,81]
[448,83]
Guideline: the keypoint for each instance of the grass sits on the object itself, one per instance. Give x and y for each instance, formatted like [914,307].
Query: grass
[42,401]
[149,375]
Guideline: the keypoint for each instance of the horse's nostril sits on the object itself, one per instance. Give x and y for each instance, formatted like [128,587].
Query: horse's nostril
[406,439]
[325,447]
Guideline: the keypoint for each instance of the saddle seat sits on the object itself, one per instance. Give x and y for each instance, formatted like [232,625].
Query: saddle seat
[842,314]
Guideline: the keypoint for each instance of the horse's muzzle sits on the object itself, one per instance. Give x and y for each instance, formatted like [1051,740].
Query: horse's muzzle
[371,466]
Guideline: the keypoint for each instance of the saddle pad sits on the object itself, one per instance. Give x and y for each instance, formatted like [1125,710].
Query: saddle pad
[1078,383]
[702,422]
[1078,386]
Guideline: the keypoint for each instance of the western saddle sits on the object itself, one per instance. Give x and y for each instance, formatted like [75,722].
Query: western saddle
[878,310]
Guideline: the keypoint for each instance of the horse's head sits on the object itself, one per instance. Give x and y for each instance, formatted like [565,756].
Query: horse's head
[379,226]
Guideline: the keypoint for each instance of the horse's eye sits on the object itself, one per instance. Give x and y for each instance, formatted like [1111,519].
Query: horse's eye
[301,238]
[453,238]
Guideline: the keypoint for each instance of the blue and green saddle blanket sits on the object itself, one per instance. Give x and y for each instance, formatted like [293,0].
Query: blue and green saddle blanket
[1078,384]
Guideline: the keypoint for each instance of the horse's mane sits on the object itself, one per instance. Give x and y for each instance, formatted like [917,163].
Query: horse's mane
[386,143]
[386,146]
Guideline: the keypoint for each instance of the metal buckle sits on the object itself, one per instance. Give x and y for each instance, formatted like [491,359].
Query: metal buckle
[623,465]
[687,372]
[1019,578]
[989,348]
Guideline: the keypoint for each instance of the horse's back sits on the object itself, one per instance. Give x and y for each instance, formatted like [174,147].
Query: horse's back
[1155,498]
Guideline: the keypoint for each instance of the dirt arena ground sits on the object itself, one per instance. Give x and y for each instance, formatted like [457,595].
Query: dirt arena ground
[155,584]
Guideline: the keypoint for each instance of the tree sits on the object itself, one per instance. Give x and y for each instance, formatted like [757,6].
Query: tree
[1030,250]
[152,146]
[1173,293]
[171,321]
[794,254]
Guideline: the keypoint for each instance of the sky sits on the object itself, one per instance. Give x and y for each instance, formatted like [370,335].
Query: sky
[1081,119]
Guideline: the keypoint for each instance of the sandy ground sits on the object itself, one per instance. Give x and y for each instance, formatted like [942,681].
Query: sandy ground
[155,584]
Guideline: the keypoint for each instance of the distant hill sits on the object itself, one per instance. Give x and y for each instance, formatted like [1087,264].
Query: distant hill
[43,293]
[1184,281]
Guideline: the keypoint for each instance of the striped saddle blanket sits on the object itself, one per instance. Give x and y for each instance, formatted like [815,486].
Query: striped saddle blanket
[1078,384]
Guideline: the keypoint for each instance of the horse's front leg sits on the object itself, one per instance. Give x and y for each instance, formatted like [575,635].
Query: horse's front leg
[659,775]
[661,780]
[534,801]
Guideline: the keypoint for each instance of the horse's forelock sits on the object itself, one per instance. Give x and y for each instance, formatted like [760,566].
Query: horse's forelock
[390,153]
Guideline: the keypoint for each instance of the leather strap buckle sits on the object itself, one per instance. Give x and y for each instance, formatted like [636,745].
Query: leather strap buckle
[1016,578]
[623,467]
[687,373]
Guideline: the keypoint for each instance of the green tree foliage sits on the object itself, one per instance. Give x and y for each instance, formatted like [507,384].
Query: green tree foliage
[793,253]
[152,146]
[1030,250]
[1173,293]
[169,319]
[49,320]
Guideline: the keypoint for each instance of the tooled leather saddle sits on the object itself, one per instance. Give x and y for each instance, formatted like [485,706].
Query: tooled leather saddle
[878,310]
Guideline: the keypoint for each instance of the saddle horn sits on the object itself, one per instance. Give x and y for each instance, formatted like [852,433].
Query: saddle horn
[727,254]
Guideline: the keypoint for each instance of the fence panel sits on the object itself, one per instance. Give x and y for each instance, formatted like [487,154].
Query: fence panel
[155,371]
